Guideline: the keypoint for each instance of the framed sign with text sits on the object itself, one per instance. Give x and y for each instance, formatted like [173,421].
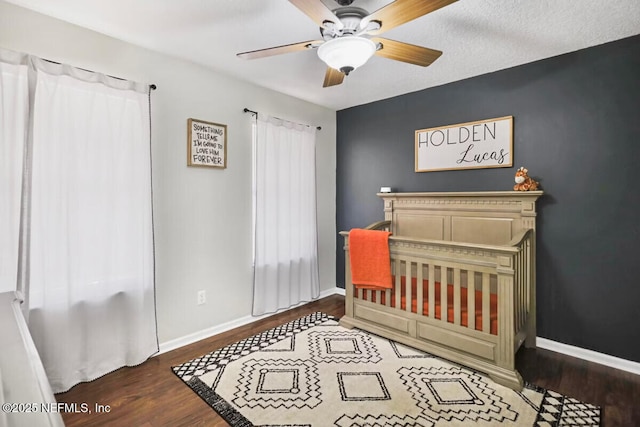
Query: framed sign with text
[206,144]
[482,144]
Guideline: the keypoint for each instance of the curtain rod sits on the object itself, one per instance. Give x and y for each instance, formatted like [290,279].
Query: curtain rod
[151,86]
[246,110]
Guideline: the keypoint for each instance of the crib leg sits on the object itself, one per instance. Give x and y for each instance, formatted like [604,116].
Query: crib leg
[511,379]
[345,322]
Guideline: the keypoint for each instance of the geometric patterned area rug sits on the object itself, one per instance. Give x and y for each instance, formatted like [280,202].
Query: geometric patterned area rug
[313,372]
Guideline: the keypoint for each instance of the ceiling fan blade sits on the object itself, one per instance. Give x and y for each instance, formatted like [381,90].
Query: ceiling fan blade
[406,52]
[277,50]
[401,11]
[318,12]
[332,77]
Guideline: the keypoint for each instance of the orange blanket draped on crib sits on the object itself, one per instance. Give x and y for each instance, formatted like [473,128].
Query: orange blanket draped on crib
[369,258]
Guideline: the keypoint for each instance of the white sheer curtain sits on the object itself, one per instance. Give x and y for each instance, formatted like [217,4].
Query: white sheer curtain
[286,253]
[90,260]
[14,112]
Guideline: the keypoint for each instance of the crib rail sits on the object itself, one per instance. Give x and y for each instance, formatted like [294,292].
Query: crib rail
[380,225]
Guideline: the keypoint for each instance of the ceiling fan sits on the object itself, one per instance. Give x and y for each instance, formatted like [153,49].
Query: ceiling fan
[347,31]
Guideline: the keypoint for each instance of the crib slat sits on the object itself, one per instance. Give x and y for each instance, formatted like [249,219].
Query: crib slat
[431,293]
[486,301]
[523,285]
[398,286]
[471,299]
[527,272]
[444,312]
[516,293]
[523,277]
[408,285]
[456,296]
[420,286]
[378,296]
[521,292]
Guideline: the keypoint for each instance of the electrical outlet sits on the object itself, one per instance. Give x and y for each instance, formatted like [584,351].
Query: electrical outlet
[202,297]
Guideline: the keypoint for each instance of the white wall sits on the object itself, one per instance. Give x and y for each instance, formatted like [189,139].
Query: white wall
[202,215]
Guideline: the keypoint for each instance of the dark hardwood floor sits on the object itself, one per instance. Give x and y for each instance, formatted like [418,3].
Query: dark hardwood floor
[150,395]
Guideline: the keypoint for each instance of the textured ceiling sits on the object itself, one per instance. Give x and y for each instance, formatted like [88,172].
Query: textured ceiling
[476,36]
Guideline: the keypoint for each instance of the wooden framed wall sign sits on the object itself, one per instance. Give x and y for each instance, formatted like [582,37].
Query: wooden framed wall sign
[482,144]
[206,144]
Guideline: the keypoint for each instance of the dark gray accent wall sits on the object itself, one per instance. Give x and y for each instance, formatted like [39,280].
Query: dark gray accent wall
[577,130]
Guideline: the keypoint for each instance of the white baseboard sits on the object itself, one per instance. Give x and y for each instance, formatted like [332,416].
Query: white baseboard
[590,355]
[209,332]
[547,344]
[338,291]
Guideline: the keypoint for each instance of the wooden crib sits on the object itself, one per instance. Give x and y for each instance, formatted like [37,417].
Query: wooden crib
[463,267]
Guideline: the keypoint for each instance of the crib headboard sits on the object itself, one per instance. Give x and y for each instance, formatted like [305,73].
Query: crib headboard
[488,217]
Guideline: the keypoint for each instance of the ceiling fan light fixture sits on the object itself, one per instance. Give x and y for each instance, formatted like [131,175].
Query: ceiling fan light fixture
[347,53]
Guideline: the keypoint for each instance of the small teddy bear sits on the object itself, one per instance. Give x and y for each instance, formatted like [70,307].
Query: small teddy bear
[524,181]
